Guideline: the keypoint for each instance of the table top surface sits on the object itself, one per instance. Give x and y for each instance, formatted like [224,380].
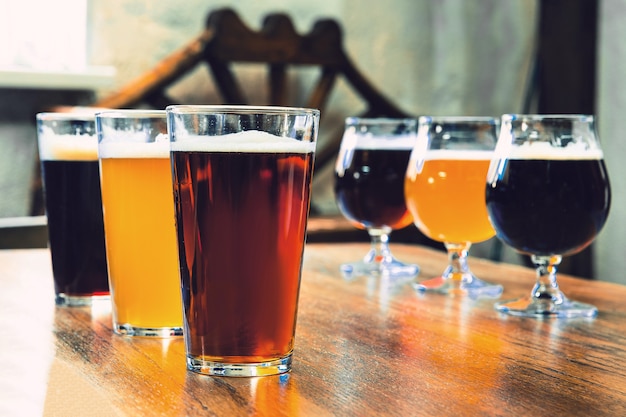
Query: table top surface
[361,349]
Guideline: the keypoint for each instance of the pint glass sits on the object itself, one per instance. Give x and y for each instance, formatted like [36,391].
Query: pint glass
[242,178]
[139,222]
[68,150]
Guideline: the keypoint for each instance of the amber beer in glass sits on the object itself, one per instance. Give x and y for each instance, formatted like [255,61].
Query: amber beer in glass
[447,179]
[139,223]
[242,178]
[68,150]
[445,193]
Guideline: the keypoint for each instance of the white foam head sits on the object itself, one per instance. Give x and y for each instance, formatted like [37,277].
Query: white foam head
[366,141]
[545,151]
[459,155]
[133,145]
[53,147]
[251,141]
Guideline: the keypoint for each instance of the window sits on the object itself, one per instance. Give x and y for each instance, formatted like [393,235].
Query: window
[43,35]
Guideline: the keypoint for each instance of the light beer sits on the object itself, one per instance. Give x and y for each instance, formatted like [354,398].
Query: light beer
[71,183]
[140,236]
[242,203]
[447,197]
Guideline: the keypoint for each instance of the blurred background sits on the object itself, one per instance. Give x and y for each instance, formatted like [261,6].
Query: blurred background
[435,57]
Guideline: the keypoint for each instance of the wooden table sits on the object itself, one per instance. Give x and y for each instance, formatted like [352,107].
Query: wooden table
[360,350]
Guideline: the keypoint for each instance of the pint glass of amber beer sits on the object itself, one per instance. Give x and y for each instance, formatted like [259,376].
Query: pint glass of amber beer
[139,222]
[68,150]
[242,178]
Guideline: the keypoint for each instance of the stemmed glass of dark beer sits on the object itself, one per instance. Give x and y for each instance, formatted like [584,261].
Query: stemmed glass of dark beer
[445,193]
[548,196]
[369,178]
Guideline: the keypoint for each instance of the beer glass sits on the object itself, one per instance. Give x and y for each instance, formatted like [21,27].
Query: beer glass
[369,178]
[68,150]
[242,186]
[548,196]
[139,222]
[445,193]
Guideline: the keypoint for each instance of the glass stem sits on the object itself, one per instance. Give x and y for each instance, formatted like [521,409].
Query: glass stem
[379,246]
[546,288]
[458,269]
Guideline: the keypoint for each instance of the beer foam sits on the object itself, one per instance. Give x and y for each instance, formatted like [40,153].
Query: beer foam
[252,141]
[459,154]
[128,149]
[545,151]
[371,142]
[68,147]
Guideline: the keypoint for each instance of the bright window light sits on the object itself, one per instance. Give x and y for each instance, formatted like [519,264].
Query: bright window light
[43,35]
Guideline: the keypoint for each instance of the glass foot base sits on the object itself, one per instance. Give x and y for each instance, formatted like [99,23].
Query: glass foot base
[530,307]
[473,287]
[275,367]
[129,330]
[393,270]
[65,300]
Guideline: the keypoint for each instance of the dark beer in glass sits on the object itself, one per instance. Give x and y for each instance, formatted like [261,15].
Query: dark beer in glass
[548,196]
[241,203]
[369,190]
[71,181]
[570,196]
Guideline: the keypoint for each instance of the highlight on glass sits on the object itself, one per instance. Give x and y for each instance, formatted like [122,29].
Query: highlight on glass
[548,196]
[445,193]
[369,189]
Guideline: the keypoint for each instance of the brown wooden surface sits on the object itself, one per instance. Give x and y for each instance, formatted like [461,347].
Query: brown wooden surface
[360,350]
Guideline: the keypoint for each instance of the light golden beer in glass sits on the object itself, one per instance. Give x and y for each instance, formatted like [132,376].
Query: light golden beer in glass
[140,237]
[447,197]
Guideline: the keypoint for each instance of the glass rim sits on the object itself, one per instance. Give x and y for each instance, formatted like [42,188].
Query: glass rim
[182,109]
[379,120]
[81,116]
[539,117]
[131,114]
[454,119]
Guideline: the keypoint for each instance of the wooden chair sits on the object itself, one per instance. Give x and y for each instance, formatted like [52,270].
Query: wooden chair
[226,40]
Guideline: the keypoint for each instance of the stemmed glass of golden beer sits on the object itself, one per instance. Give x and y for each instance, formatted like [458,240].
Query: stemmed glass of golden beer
[369,177]
[444,190]
[548,196]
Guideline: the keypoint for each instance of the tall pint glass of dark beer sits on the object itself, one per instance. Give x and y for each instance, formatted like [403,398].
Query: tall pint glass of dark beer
[68,150]
[242,178]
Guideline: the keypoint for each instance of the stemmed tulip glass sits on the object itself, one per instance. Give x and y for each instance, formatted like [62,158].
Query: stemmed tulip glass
[548,196]
[369,178]
[445,193]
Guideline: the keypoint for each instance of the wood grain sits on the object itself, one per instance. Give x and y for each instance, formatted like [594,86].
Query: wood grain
[362,348]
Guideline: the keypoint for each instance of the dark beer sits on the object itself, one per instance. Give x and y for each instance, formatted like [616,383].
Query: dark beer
[370,188]
[75,227]
[549,207]
[241,222]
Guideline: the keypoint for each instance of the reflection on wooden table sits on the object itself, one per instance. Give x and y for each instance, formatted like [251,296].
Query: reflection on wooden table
[361,349]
